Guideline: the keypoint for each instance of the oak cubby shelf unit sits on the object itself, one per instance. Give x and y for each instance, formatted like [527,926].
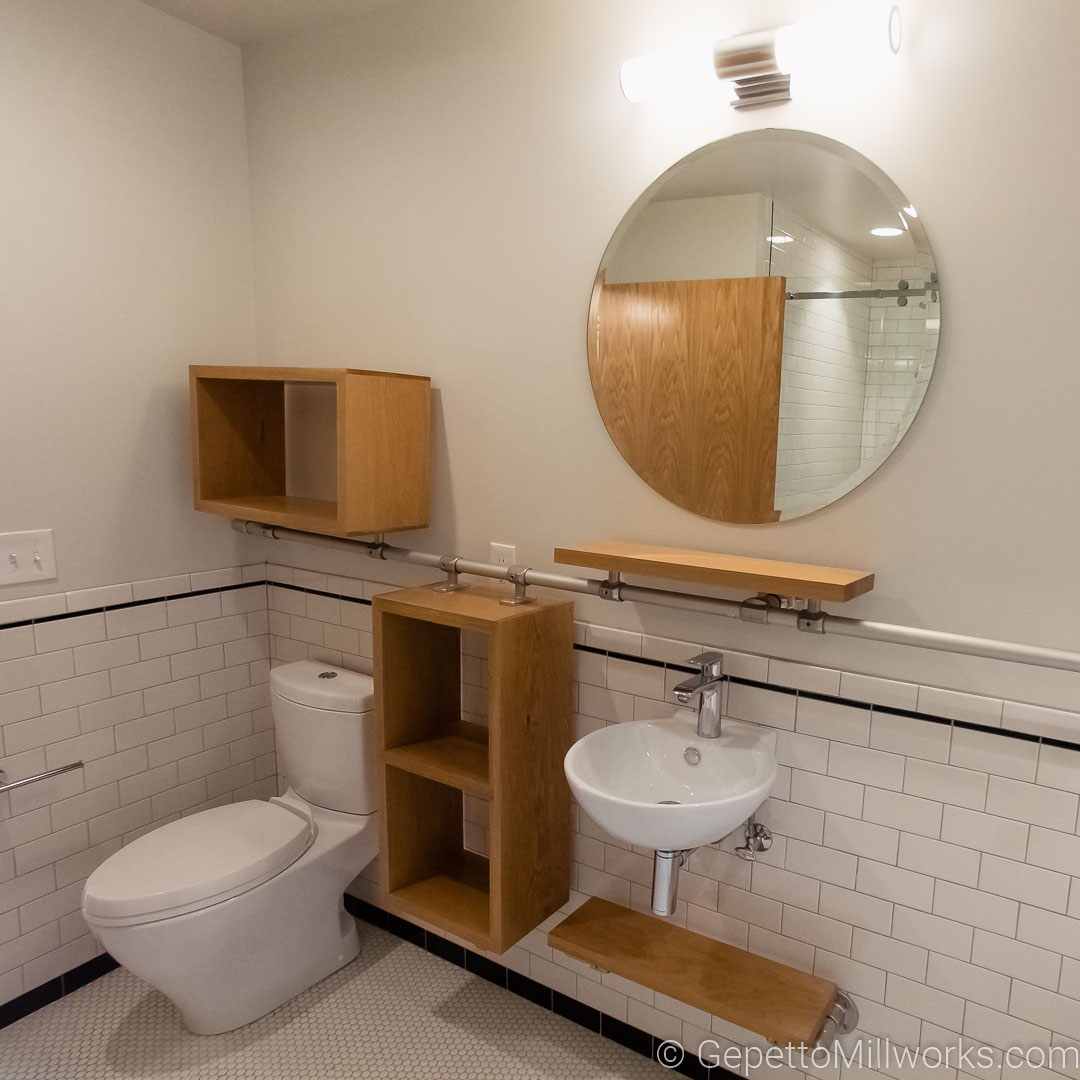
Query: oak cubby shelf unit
[785,1005]
[381,448]
[431,759]
[802,580]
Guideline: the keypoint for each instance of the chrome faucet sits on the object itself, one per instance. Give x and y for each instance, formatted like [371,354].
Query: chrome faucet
[710,688]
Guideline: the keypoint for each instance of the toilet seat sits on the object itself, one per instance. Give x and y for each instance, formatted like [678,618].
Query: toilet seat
[196,861]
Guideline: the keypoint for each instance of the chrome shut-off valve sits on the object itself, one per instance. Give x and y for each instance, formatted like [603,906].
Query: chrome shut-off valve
[758,838]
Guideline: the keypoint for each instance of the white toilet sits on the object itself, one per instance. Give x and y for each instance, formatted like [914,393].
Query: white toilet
[233,911]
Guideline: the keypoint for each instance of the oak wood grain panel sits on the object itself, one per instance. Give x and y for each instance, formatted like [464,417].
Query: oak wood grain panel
[289,511]
[417,667]
[530,705]
[785,1005]
[803,580]
[384,452]
[686,375]
[422,828]
[238,438]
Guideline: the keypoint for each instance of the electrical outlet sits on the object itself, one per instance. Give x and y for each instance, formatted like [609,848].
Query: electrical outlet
[502,554]
[27,557]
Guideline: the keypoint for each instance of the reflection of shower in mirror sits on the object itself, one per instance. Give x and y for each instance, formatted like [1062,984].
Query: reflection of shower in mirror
[779,431]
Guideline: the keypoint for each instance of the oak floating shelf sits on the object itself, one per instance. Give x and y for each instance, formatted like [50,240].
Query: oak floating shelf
[380,448]
[785,1005]
[803,580]
[431,759]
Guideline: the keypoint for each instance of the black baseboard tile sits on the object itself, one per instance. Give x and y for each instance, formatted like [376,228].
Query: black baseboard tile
[446,950]
[583,1015]
[31,1001]
[361,909]
[641,1042]
[88,972]
[406,930]
[55,989]
[485,968]
[530,989]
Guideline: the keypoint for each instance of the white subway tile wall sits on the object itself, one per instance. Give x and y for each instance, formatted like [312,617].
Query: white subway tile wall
[823,382]
[924,865]
[929,867]
[167,704]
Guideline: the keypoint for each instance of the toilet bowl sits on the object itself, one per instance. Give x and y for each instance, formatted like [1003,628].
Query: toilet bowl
[234,910]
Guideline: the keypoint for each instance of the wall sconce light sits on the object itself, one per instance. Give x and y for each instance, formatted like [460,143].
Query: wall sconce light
[756,69]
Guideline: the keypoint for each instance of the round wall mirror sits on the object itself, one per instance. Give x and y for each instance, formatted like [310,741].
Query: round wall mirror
[763,326]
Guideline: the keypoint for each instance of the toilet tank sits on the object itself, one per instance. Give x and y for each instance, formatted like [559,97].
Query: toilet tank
[324,723]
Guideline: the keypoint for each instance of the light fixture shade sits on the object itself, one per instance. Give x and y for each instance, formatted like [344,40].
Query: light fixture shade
[678,72]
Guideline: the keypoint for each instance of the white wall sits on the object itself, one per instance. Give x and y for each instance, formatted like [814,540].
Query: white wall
[435,183]
[125,257]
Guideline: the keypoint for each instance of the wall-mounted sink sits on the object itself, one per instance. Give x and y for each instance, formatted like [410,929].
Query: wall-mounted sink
[657,784]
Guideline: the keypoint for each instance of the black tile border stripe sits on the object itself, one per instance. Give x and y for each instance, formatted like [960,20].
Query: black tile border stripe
[611,653]
[607,1027]
[318,592]
[106,608]
[55,989]
[866,706]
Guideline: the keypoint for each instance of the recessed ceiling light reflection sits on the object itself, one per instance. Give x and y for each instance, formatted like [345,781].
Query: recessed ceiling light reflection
[781,239]
[911,211]
[887,230]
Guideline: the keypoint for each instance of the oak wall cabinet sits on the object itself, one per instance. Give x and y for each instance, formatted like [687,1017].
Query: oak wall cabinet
[377,462]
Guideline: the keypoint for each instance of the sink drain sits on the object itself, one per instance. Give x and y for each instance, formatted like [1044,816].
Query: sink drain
[669,802]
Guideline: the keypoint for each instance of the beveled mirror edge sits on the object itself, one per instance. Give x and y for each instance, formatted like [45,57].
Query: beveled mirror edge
[920,242]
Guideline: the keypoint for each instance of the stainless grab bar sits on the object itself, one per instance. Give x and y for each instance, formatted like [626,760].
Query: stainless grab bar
[40,776]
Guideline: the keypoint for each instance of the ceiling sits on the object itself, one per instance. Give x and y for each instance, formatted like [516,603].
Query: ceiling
[246,22]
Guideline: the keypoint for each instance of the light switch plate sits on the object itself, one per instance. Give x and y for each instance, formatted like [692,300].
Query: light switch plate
[27,557]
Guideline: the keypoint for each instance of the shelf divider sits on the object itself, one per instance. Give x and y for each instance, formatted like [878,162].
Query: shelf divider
[458,758]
